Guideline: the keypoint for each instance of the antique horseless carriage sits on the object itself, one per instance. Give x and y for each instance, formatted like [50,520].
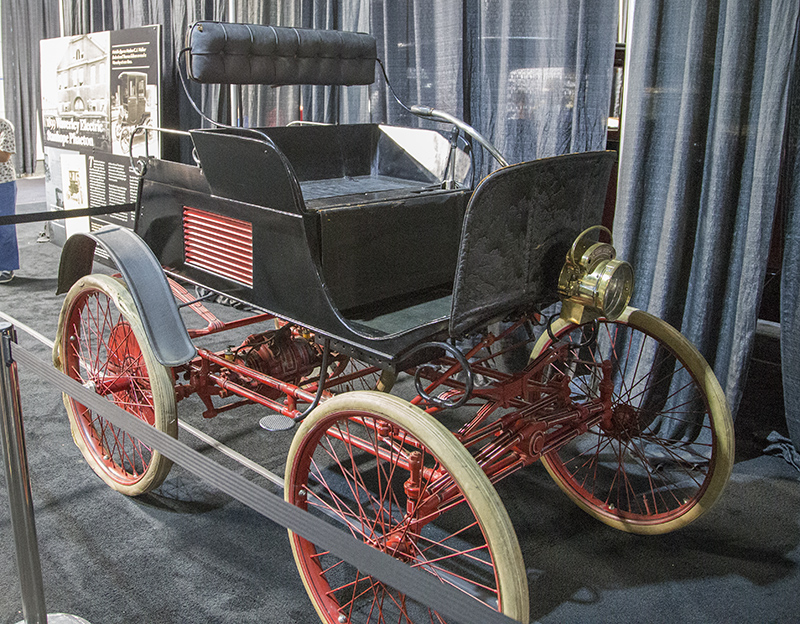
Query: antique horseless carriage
[366,255]
[130,104]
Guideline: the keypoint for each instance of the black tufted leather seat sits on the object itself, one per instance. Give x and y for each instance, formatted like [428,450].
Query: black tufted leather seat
[224,53]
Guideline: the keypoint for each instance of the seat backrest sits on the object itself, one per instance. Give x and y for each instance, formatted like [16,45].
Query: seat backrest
[246,166]
[227,53]
[519,225]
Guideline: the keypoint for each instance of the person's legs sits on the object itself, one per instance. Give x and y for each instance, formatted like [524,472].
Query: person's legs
[9,253]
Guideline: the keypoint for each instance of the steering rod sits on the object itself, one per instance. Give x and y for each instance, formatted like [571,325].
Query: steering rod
[432,113]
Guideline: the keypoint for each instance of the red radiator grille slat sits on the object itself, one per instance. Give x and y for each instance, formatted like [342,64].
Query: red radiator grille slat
[219,245]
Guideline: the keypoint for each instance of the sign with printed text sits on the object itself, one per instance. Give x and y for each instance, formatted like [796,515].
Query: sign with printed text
[100,94]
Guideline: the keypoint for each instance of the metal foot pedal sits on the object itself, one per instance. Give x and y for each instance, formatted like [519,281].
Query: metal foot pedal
[276,422]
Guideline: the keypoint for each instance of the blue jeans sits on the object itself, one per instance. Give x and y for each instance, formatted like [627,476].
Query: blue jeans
[9,253]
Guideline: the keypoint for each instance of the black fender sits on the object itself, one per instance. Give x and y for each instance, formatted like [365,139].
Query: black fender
[145,280]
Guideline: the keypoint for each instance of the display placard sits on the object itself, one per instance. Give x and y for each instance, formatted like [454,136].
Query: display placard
[97,89]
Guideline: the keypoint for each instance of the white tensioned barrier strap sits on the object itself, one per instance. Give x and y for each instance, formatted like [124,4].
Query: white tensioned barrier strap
[448,601]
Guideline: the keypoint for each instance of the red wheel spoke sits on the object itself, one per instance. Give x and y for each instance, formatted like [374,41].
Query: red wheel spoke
[468,553]
[100,349]
[359,472]
[356,485]
[340,507]
[650,458]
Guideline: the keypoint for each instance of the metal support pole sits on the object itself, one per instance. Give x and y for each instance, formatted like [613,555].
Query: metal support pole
[15,462]
[235,91]
[18,483]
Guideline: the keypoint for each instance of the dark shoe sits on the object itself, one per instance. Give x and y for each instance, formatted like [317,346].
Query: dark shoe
[6,276]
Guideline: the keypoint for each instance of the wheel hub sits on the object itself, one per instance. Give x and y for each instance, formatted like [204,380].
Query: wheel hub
[624,422]
[398,544]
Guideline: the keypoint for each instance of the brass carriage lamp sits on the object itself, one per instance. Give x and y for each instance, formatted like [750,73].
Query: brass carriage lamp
[593,282]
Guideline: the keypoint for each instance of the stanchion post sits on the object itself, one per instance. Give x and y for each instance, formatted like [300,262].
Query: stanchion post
[18,482]
[15,462]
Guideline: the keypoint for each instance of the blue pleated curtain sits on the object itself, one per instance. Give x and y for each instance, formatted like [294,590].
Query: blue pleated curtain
[789,194]
[534,76]
[707,121]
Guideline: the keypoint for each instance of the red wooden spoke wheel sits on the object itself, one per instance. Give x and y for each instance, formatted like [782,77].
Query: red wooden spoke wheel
[663,454]
[396,479]
[101,344]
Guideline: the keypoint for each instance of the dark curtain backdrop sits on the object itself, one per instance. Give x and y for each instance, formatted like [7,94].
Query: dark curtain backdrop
[705,119]
[790,275]
[534,76]
[24,23]
[421,46]
[550,87]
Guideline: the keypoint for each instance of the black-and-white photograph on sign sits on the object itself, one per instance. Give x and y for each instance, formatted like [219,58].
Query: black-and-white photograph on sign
[75,91]
[135,78]
[98,88]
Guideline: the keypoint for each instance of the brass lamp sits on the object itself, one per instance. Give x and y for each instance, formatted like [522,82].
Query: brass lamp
[593,283]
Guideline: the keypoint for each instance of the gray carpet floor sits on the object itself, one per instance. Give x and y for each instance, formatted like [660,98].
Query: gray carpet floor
[187,553]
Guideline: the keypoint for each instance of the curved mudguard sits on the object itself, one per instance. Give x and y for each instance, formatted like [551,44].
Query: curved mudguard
[145,280]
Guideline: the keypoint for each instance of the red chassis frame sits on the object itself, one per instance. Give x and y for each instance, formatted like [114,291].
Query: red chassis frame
[540,415]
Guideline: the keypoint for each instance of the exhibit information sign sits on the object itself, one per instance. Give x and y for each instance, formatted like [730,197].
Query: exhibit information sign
[96,90]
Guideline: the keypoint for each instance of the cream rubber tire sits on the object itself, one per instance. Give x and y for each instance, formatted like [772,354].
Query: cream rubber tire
[101,343]
[311,486]
[635,474]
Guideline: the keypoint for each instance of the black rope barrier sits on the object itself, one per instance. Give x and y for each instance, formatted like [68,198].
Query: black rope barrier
[420,586]
[56,215]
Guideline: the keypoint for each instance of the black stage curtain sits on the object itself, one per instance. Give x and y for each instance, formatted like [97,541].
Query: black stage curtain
[24,23]
[534,76]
